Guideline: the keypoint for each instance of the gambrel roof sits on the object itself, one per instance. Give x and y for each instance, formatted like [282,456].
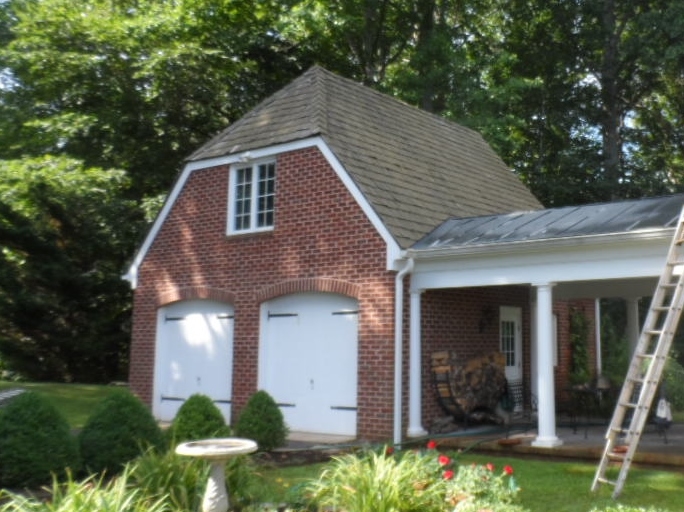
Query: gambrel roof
[415,169]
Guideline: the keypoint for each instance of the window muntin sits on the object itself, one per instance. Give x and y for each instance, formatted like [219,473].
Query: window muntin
[253,198]
[508,341]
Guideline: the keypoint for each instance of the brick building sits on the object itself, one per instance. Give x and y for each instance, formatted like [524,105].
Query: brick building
[297,253]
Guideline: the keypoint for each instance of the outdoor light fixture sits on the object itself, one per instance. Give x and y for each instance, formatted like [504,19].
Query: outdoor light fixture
[486,317]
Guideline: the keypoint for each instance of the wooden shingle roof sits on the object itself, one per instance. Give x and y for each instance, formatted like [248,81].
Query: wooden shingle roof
[415,169]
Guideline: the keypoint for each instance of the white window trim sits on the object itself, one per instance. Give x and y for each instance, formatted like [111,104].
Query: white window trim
[232,198]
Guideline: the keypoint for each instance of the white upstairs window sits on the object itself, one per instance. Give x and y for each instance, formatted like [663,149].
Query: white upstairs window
[251,204]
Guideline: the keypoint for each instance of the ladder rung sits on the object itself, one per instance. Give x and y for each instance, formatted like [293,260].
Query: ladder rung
[629,405]
[606,481]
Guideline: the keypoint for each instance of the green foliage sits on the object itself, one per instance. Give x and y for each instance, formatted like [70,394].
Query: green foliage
[262,421]
[375,481]
[64,234]
[673,382]
[119,429]
[181,479]
[88,495]
[584,105]
[197,418]
[579,331]
[624,508]
[615,351]
[35,442]
[424,480]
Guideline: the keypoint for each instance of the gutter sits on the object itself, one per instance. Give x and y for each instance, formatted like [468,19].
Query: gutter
[399,346]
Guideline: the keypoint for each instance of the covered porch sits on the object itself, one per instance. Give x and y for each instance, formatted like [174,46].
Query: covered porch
[612,250]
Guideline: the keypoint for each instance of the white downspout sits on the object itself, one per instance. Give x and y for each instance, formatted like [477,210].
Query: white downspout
[399,346]
[597,334]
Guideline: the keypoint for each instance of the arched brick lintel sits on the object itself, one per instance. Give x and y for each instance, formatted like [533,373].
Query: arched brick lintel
[314,284]
[196,292]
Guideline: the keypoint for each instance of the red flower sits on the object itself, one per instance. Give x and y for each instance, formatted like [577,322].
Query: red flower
[389,450]
[443,460]
[508,470]
[448,474]
[490,466]
[431,445]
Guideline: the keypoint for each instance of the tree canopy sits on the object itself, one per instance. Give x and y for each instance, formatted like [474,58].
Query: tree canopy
[100,102]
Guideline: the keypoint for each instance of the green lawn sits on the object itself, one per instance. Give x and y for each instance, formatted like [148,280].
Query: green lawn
[546,485]
[74,401]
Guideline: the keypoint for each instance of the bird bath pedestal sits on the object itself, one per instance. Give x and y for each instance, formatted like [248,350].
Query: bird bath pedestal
[217,452]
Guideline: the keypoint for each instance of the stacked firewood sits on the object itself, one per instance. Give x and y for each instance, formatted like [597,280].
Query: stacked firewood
[474,387]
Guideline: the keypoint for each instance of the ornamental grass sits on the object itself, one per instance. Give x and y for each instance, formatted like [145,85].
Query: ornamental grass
[417,480]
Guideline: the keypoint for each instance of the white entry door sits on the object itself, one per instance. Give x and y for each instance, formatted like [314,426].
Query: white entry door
[194,355]
[510,341]
[308,360]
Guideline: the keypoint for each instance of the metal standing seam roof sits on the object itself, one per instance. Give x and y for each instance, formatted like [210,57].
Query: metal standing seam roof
[415,169]
[629,216]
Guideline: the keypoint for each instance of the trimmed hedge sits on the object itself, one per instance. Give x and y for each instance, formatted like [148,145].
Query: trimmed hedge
[120,429]
[35,442]
[262,421]
[198,418]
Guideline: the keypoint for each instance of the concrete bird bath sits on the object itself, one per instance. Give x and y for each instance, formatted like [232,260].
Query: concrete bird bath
[217,452]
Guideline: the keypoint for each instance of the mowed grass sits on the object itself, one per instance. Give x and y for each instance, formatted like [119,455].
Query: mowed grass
[74,401]
[566,486]
[546,485]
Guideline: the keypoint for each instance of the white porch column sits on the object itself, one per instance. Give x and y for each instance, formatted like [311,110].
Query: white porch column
[415,427]
[632,329]
[546,431]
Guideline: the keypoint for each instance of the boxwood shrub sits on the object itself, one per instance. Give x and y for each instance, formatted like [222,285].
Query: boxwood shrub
[198,418]
[119,429]
[262,421]
[35,442]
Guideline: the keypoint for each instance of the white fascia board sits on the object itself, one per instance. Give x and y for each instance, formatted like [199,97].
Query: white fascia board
[393,249]
[575,259]
[394,252]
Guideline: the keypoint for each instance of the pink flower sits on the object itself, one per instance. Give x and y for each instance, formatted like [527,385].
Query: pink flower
[432,445]
[490,466]
[448,474]
[508,470]
[443,460]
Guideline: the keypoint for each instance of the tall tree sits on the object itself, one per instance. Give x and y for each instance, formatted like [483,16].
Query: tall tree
[132,85]
[63,241]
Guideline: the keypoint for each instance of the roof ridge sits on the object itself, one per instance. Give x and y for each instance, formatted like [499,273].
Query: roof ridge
[390,99]
[319,104]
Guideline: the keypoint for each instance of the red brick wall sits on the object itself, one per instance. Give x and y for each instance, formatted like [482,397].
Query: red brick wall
[322,242]
[321,236]
[451,321]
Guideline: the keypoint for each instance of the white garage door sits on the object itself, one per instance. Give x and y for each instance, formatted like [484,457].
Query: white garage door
[194,354]
[308,360]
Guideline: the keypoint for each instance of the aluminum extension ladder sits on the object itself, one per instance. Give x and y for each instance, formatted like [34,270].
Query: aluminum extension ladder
[646,369]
